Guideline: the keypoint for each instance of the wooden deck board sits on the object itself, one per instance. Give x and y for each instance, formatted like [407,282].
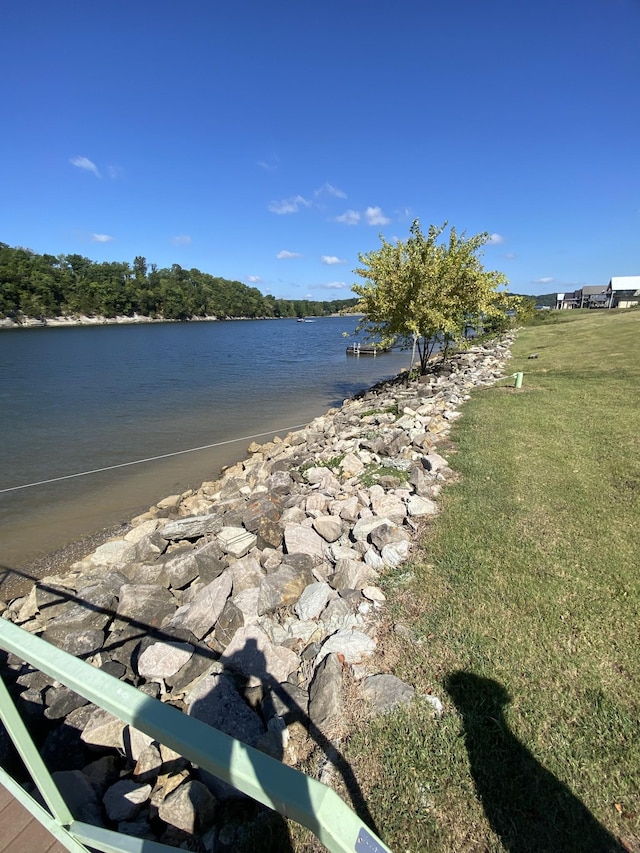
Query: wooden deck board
[20,832]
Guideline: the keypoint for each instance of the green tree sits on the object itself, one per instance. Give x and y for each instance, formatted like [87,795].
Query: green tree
[426,292]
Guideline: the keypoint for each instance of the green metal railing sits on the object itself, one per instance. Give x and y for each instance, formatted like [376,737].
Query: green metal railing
[264,779]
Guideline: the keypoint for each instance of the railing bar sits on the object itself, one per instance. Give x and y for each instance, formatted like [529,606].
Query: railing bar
[276,785]
[38,770]
[108,841]
[60,833]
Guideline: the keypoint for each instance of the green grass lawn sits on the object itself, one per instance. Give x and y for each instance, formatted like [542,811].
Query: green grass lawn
[523,604]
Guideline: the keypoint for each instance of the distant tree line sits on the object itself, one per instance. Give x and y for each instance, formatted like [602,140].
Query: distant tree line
[42,286]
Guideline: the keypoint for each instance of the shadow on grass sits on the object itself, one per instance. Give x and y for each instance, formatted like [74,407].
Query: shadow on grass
[527,806]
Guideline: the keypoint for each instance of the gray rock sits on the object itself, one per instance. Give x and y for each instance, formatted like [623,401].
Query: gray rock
[80,643]
[389,506]
[229,621]
[161,660]
[191,807]
[246,573]
[181,569]
[254,656]
[216,702]
[421,506]
[124,800]
[61,701]
[328,527]
[313,600]
[387,534]
[300,539]
[282,588]
[435,462]
[353,645]
[386,692]
[148,765]
[112,553]
[236,541]
[265,507]
[395,553]
[79,795]
[145,604]
[269,534]
[352,574]
[192,528]
[200,615]
[247,603]
[103,729]
[325,694]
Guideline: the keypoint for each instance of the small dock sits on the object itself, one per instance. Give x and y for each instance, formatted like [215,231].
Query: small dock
[366,349]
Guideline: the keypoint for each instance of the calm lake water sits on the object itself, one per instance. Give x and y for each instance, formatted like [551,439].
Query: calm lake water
[76,399]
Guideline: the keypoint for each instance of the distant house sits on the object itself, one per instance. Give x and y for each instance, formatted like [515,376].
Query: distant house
[624,291]
[621,292]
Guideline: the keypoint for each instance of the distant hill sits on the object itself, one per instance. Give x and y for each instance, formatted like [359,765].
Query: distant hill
[546,299]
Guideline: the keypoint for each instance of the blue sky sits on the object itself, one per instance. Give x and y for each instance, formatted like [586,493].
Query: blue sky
[272,142]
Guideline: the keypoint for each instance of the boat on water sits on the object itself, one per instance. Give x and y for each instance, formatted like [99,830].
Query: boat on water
[367,349]
[304,320]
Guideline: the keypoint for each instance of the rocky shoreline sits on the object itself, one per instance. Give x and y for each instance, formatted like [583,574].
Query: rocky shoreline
[249,603]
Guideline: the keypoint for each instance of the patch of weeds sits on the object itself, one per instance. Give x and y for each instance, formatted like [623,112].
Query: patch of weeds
[333,463]
[373,473]
[387,410]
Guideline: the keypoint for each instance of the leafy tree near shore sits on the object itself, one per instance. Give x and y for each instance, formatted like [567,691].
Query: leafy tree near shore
[425,292]
[41,286]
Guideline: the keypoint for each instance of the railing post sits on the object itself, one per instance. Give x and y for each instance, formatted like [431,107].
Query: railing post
[32,758]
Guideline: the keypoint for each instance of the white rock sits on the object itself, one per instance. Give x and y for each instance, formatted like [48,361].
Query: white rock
[313,600]
[236,541]
[353,645]
[160,660]
[374,593]
[419,506]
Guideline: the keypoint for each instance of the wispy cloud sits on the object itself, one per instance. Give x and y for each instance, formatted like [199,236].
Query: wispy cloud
[547,279]
[86,164]
[329,189]
[181,240]
[101,238]
[335,285]
[284,255]
[114,171]
[254,279]
[289,205]
[332,259]
[349,217]
[495,239]
[269,165]
[375,216]
[510,256]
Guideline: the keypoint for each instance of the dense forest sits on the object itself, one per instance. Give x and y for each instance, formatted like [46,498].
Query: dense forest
[42,286]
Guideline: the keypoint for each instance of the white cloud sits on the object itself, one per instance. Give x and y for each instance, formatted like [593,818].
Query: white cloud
[330,190]
[308,296]
[331,259]
[101,238]
[86,164]
[494,239]
[181,240]
[284,255]
[269,165]
[375,216]
[349,217]
[289,205]
[254,279]
[547,279]
[335,285]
